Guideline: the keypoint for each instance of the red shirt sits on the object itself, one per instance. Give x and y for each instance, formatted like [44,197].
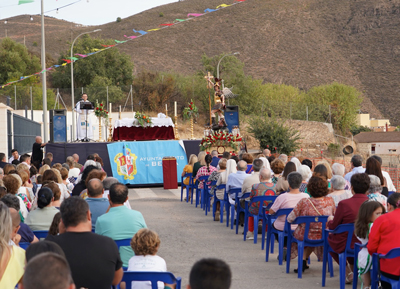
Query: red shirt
[384,236]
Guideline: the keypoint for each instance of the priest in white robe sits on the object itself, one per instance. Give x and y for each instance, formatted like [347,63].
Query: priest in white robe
[81,116]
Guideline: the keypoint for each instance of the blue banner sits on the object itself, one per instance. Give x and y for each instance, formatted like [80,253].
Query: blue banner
[140,162]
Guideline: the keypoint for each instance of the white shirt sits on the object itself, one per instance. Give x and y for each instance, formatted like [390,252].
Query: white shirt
[10,160]
[152,263]
[389,182]
[74,172]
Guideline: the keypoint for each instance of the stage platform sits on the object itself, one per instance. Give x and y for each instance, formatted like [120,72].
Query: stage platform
[153,150]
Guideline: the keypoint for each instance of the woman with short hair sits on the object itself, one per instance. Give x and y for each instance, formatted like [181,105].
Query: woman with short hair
[338,194]
[318,205]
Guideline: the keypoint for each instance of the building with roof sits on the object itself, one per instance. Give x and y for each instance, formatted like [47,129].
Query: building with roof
[381,143]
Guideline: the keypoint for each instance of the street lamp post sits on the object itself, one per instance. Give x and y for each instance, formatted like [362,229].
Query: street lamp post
[44,90]
[236,53]
[72,80]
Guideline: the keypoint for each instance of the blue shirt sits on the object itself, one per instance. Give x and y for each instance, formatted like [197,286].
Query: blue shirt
[98,207]
[118,224]
[236,180]
[215,161]
[356,170]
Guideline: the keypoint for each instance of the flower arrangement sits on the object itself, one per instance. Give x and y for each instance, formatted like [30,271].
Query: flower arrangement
[99,110]
[221,138]
[191,111]
[143,119]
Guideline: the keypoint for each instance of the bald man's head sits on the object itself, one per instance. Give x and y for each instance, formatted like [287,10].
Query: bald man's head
[242,166]
[38,139]
[95,188]
[265,175]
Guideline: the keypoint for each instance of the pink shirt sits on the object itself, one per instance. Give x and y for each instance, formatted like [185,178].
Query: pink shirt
[286,201]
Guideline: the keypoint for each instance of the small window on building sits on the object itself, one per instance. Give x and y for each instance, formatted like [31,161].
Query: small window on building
[373,149]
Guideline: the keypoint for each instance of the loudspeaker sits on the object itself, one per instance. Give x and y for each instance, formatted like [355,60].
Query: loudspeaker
[232,116]
[58,125]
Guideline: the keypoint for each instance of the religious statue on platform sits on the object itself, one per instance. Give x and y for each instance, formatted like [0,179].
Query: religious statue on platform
[84,110]
[219,99]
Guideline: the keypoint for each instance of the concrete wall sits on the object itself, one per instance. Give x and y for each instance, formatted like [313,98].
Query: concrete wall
[3,127]
[379,122]
[363,119]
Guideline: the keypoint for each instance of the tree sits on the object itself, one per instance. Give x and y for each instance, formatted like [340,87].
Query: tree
[271,133]
[344,101]
[356,129]
[110,64]
[16,61]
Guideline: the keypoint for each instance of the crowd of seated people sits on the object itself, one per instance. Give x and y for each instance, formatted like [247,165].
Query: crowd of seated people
[324,189]
[85,213]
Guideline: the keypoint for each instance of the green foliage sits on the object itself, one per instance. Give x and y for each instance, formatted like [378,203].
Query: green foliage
[190,111]
[334,149]
[16,61]
[270,132]
[110,64]
[344,101]
[119,19]
[161,14]
[98,89]
[356,129]
[34,44]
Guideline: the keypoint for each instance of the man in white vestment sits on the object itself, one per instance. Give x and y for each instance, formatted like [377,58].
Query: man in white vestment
[81,125]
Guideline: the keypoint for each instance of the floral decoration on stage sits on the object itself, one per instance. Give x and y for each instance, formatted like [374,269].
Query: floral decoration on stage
[221,139]
[143,120]
[190,111]
[100,111]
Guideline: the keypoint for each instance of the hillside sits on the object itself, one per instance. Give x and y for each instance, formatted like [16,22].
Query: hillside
[302,43]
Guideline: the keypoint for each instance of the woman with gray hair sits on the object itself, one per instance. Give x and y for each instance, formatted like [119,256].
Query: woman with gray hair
[340,170]
[339,193]
[305,173]
[375,191]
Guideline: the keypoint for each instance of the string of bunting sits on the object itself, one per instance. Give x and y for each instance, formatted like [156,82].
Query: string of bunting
[68,60]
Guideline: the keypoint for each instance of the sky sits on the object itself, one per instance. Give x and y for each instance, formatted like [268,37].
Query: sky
[86,12]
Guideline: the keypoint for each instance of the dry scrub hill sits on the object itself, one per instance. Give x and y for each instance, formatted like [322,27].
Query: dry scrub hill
[302,43]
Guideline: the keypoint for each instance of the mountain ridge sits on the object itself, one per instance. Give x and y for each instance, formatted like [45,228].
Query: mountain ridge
[303,43]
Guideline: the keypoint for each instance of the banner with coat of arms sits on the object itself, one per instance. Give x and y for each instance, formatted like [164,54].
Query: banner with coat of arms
[140,162]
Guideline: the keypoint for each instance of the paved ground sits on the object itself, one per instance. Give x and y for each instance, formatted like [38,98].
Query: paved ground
[187,235]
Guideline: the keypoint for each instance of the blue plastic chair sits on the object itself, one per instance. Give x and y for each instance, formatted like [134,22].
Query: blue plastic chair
[24,245]
[221,203]
[375,279]
[187,187]
[348,252]
[200,192]
[307,220]
[389,193]
[239,208]
[123,243]
[41,234]
[357,248]
[153,277]
[228,205]
[269,220]
[259,216]
[207,196]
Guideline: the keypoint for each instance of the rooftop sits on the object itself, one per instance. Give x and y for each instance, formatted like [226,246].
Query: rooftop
[369,137]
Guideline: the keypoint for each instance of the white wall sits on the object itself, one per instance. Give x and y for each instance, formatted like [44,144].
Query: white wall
[383,148]
[38,117]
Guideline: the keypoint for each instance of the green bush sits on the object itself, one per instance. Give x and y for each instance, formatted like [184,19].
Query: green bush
[119,19]
[356,129]
[161,14]
[272,133]
[34,43]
